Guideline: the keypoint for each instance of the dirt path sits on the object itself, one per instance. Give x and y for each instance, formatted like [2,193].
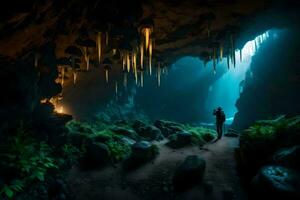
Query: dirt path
[153,181]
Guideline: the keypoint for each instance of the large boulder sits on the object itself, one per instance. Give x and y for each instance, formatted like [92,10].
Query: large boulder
[288,157]
[276,182]
[180,139]
[142,152]
[96,155]
[125,132]
[189,173]
[150,133]
[167,128]
[137,124]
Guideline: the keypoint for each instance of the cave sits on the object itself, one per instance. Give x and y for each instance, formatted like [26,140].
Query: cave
[154,99]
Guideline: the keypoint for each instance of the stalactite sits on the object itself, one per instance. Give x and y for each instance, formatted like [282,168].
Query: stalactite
[232,50]
[36,60]
[74,77]
[123,61]
[158,74]
[142,78]
[116,87]
[147,32]
[142,55]
[114,51]
[99,47]
[214,59]
[106,38]
[62,75]
[135,66]
[150,57]
[228,63]
[106,75]
[221,52]
[87,62]
[128,61]
[234,59]
[208,30]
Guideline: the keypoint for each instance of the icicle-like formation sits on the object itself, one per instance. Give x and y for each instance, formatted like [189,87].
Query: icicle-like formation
[208,30]
[106,75]
[36,60]
[147,32]
[142,78]
[221,52]
[99,39]
[128,61]
[150,57]
[214,59]
[142,55]
[74,77]
[158,74]
[116,87]
[62,75]
[106,38]
[134,66]
[228,64]
[87,63]
[232,51]
[123,61]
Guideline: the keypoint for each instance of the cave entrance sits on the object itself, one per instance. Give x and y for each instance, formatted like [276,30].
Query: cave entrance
[226,90]
[192,90]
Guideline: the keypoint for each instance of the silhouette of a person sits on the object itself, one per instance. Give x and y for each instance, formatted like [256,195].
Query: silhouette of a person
[220,119]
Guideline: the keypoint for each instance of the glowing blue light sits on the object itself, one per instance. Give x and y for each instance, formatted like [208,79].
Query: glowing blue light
[227,89]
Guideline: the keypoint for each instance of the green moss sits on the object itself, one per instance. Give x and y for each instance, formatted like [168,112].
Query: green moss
[200,134]
[118,150]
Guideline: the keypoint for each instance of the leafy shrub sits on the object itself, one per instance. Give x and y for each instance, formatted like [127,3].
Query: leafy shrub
[118,150]
[29,159]
[71,154]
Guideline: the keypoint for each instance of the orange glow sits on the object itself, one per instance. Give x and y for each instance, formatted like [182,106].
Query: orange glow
[60,109]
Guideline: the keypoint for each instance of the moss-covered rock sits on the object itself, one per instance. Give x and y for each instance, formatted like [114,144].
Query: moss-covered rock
[150,133]
[96,155]
[260,141]
[142,152]
[180,139]
[167,127]
[189,173]
[288,157]
[275,182]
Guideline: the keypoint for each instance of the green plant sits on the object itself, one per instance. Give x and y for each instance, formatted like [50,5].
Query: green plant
[200,134]
[28,158]
[118,150]
[11,189]
[71,154]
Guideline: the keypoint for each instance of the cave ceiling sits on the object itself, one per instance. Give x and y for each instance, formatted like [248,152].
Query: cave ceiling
[191,27]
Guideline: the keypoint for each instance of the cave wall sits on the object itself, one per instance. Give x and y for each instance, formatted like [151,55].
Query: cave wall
[273,83]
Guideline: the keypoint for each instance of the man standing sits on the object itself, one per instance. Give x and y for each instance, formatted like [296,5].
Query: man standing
[220,119]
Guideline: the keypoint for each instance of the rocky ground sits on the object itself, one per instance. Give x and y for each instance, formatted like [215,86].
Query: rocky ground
[154,180]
